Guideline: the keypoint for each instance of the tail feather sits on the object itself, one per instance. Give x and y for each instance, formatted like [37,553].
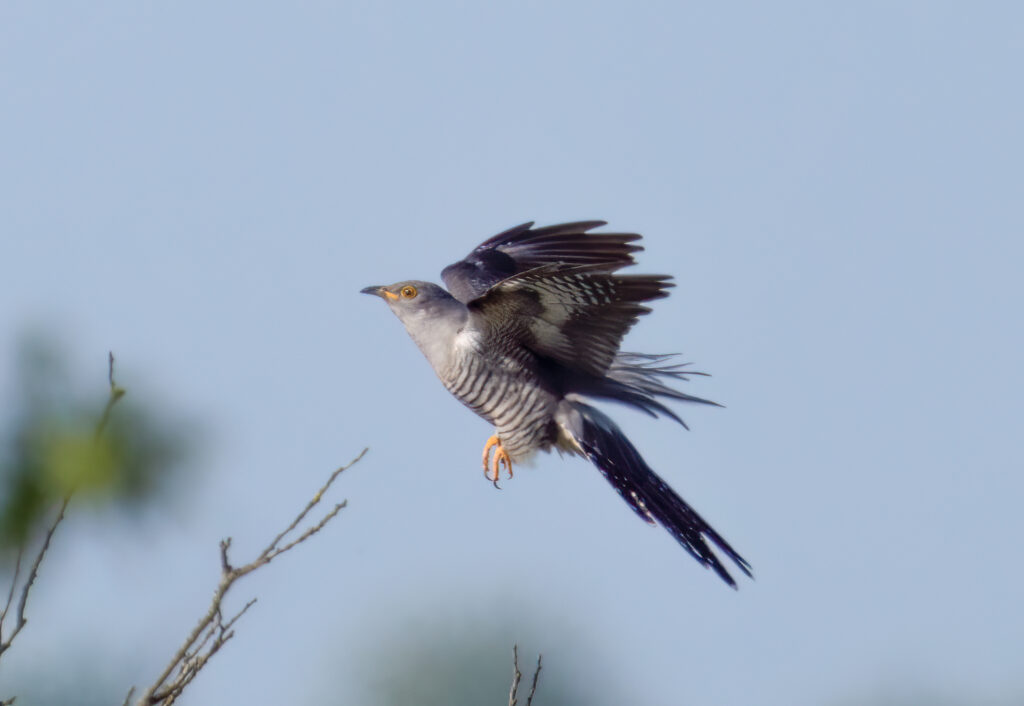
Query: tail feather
[604,444]
[639,380]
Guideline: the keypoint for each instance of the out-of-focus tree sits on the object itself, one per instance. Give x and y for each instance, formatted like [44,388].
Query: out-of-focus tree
[62,447]
[469,661]
[58,442]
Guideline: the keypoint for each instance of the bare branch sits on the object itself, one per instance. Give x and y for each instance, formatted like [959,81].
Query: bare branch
[513,694]
[225,565]
[212,632]
[32,575]
[516,676]
[266,559]
[309,506]
[10,593]
[116,393]
[533,686]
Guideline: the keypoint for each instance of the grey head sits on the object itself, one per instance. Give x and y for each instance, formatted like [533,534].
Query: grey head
[431,315]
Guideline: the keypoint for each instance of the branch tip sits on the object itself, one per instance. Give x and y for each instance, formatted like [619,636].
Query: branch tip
[513,694]
[212,632]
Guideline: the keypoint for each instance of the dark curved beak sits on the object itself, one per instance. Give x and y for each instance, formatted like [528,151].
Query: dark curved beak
[376,290]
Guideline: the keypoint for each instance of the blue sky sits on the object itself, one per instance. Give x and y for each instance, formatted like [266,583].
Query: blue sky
[204,189]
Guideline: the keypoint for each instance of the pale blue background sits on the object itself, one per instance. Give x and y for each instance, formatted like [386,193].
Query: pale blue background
[204,187]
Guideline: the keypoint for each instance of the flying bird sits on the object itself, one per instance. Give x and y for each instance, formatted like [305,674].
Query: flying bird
[529,331]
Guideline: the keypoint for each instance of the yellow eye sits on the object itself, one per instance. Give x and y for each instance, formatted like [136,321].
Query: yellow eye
[408,292]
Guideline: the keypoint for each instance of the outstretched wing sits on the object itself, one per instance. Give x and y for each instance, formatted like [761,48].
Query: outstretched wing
[601,441]
[524,248]
[576,316]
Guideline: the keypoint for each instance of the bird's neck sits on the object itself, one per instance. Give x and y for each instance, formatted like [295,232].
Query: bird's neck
[437,338]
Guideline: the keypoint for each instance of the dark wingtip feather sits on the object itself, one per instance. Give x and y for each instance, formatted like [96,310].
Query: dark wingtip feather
[523,248]
[570,227]
[510,234]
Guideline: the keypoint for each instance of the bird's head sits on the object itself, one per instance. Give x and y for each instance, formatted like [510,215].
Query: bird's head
[431,315]
[417,304]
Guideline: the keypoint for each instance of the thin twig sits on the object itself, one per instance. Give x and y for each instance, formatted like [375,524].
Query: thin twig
[536,676]
[309,506]
[516,677]
[239,614]
[302,538]
[116,393]
[34,573]
[10,593]
[211,632]
[180,657]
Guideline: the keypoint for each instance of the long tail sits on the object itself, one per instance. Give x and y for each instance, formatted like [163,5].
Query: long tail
[604,444]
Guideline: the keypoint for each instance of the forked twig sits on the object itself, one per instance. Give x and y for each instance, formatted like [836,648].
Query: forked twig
[517,676]
[211,632]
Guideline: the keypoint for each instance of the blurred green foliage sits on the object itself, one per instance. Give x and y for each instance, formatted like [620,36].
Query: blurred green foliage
[58,441]
[462,656]
[477,671]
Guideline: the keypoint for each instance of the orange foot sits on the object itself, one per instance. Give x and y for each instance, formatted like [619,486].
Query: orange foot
[492,465]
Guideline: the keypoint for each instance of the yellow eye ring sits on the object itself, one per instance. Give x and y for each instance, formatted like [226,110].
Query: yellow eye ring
[409,292]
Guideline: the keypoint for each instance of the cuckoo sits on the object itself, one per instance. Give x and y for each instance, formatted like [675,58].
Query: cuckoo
[528,334]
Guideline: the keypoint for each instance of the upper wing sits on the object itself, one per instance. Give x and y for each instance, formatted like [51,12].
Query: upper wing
[574,315]
[524,248]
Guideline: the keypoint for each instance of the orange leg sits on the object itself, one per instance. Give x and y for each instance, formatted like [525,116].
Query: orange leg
[492,465]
